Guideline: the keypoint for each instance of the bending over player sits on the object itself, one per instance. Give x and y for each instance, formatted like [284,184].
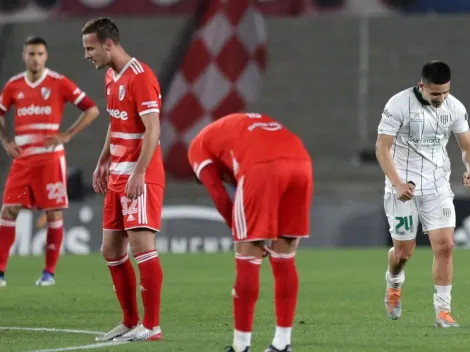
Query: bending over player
[38,174]
[134,192]
[412,137]
[272,172]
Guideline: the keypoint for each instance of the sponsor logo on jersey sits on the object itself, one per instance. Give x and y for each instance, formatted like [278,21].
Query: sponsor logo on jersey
[34,110]
[150,104]
[118,114]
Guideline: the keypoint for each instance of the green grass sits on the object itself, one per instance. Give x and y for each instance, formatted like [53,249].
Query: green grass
[340,304]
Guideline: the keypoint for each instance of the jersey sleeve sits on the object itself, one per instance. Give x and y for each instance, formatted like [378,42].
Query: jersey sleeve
[198,156]
[6,99]
[70,91]
[146,93]
[460,123]
[392,119]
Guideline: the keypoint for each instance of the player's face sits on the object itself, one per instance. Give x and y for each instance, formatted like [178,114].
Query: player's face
[35,57]
[436,94]
[96,52]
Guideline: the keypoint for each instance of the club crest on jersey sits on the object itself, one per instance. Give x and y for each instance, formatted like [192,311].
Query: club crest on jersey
[45,92]
[444,119]
[122,92]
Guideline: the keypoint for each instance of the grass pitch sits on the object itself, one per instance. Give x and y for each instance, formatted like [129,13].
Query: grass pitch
[340,305]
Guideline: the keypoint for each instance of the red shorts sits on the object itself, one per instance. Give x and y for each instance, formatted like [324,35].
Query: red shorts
[41,186]
[121,213]
[273,200]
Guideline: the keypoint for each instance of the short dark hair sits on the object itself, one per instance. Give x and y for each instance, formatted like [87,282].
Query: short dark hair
[436,72]
[35,40]
[104,27]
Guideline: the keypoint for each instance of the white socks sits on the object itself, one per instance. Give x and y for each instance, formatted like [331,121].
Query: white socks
[241,340]
[282,337]
[394,281]
[442,298]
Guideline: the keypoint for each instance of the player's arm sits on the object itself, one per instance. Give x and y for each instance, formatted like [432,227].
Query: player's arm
[210,178]
[100,176]
[389,126]
[105,155]
[462,134]
[7,142]
[146,94]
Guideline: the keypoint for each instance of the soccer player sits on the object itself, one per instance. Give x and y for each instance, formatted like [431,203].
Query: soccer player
[132,158]
[38,174]
[411,149]
[272,172]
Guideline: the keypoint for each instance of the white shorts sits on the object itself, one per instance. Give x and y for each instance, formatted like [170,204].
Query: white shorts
[432,211]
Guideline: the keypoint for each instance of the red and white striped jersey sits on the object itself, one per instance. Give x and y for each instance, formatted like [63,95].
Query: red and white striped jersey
[131,94]
[39,107]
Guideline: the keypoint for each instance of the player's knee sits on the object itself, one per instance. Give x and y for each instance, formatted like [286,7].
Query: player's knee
[54,215]
[284,245]
[110,252]
[252,248]
[141,240]
[444,249]
[10,213]
[402,255]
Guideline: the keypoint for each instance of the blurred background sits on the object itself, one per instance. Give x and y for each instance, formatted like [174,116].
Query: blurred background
[324,68]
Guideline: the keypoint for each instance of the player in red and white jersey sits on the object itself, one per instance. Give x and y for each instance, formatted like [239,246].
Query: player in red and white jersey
[272,173]
[38,174]
[130,172]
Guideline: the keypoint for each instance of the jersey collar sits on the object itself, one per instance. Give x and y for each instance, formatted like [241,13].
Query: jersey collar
[119,75]
[419,96]
[38,81]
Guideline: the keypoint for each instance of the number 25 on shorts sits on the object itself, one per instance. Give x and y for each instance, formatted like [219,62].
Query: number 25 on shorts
[403,224]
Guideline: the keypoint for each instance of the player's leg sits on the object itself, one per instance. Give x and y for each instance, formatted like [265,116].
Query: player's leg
[7,237]
[142,220]
[403,223]
[16,195]
[294,223]
[438,215]
[55,234]
[49,188]
[114,251]
[254,221]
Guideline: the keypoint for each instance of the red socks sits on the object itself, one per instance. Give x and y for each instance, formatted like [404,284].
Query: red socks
[7,238]
[245,291]
[151,278]
[55,233]
[286,287]
[124,281]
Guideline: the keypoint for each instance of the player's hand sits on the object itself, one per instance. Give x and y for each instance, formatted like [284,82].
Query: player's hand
[135,186]
[405,191]
[54,140]
[11,148]
[466,179]
[100,178]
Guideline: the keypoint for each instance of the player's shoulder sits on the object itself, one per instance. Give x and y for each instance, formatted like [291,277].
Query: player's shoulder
[402,96]
[454,104]
[140,69]
[17,78]
[400,101]
[55,75]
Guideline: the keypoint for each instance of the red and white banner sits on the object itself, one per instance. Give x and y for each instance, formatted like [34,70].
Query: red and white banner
[220,74]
